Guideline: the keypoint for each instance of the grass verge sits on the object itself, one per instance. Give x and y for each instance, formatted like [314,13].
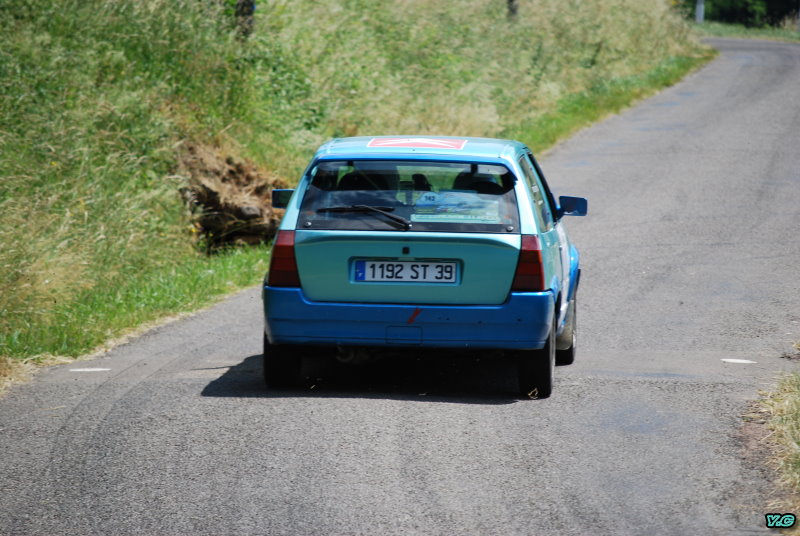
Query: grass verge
[782,409]
[106,313]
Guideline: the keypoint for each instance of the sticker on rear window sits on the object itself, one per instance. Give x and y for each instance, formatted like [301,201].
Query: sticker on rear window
[456,217]
[456,207]
[418,143]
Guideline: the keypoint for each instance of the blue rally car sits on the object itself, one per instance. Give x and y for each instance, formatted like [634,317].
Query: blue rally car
[432,242]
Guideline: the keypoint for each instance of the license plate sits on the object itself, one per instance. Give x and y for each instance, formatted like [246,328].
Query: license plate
[407,271]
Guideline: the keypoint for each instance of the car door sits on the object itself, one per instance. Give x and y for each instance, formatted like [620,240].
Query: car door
[563,240]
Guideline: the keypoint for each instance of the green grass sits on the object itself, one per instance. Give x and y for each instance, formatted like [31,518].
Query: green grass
[719,29]
[461,68]
[72,327]
[783,409]
[96,97]
[579,110]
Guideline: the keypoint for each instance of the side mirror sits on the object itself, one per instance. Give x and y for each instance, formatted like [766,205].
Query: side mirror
[280,198]
[572,206]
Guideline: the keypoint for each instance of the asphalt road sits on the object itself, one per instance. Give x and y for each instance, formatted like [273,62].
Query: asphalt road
[691,256]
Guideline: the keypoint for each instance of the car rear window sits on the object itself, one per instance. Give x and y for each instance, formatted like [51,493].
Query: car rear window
[428,196]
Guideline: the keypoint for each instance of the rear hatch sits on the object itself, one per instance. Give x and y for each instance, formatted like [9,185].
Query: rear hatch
[392,267]
[431,232]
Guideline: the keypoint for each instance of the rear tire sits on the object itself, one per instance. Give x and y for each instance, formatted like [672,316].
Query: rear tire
[565,345]
[535,369]
[281,365]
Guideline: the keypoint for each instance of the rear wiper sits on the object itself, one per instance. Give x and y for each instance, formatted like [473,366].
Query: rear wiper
[370,209]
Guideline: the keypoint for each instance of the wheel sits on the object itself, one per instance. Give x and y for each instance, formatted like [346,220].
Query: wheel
[281,365]
[535,369]
[565,344]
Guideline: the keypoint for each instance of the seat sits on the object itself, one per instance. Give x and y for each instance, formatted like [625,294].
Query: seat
[486,187]
[421,183]
[463,180]
[482,184]
[358,180]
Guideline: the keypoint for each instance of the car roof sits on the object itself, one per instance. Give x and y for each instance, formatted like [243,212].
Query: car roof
[404,147]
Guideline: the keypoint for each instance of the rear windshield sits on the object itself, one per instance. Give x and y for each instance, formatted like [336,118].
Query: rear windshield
[410,195]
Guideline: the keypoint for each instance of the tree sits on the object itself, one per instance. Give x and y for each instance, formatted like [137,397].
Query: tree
[512,8]
[748,12]
[244,16]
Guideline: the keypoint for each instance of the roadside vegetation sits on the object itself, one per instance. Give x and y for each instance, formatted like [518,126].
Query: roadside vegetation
[782,411]
[99,100]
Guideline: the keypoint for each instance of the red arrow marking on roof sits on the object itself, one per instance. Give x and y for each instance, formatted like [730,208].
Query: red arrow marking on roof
[418,143]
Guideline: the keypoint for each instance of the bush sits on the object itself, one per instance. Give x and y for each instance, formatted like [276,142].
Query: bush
[752,13]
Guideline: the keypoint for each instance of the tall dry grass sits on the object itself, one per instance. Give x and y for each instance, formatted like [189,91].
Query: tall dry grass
[460,67]
[93,98]
[782,409]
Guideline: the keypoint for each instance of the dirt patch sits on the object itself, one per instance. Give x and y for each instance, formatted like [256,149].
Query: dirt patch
[14,371]
[792,356]
[9,371]
[230,198]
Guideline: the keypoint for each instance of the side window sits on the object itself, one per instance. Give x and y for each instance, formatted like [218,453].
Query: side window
[541,208]
[548,194]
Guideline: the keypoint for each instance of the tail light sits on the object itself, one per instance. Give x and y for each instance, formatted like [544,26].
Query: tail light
[282,266]
[529,276]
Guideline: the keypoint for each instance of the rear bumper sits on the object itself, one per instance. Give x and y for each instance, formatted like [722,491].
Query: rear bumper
[522,322]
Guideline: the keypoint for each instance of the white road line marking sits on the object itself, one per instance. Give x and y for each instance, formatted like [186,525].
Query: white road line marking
[89,369]
[745,361]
